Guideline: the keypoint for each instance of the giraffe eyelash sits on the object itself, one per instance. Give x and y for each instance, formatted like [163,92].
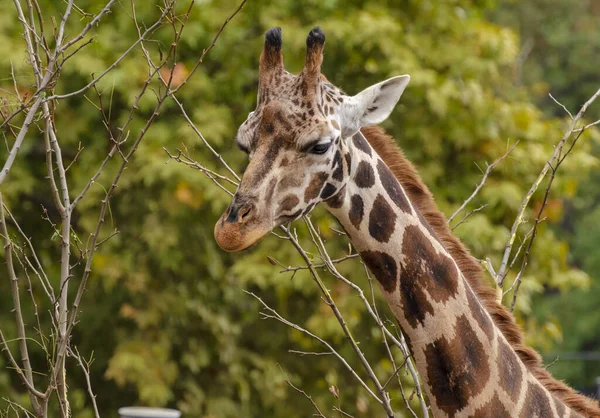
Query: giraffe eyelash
[317,147]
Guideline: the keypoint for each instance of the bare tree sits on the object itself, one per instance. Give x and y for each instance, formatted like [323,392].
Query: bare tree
[41,109]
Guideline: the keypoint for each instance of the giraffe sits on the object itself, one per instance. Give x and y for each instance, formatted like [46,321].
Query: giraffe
[308,143]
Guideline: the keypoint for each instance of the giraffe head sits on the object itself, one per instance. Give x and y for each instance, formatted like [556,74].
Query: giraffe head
[296,140]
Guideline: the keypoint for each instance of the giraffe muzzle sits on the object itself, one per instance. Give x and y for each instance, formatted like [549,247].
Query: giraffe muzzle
[239,227]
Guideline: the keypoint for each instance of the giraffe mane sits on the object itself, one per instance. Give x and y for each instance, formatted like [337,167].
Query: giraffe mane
[422,198]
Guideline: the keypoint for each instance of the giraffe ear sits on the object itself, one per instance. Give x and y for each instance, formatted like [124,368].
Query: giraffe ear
[372,105]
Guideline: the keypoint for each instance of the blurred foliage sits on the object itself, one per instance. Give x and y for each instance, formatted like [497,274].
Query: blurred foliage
[558,41]
[164,315]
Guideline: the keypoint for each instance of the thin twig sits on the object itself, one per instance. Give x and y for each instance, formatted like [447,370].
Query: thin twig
[314,404]
[464,218]
[334,261]
[85,368]
[561,105]
[481,183]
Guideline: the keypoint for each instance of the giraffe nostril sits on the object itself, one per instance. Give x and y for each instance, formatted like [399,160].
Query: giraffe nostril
[239,213]
[245,213]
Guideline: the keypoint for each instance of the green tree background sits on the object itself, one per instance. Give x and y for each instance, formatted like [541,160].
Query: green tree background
[164,314]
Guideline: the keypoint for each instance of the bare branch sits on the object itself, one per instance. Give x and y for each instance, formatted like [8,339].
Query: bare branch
[275,315]
[211,46]
[480,185]
[556,156]
[50,169]
[538,219]
[85,368]
[464,218]
[288,381]
[586,127]
[87,269]
[26,374]
[148,31]
[183,158]
[61,28]
[399,343]
[19,140]
[91,24]
[206,143]
[333,261]
[337,409]
[329,300]
[405,352]
[39,270]
[561,105]
[30,48]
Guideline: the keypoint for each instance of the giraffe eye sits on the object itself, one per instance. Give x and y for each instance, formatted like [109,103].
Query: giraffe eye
[320,148]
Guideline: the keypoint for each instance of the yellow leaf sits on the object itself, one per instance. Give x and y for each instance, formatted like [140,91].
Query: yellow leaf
[185,195]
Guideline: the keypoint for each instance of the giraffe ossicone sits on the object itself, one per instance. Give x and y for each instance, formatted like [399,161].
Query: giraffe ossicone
[308,143]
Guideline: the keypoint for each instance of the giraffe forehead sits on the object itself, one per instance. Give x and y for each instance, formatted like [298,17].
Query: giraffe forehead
[282,121]
[287,102]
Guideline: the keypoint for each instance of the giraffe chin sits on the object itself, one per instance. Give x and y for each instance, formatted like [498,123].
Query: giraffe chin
[233,237]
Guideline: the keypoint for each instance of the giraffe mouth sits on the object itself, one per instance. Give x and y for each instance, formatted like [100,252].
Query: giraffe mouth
[235,236]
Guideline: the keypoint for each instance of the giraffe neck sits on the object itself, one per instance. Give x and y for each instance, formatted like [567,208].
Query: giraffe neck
[468,367]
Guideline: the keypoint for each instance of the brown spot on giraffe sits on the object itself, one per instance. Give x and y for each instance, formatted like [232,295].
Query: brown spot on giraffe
[359,142]
[365,176]
[537,404]
[435,272]
[457,369]
[357,209]
[509,370]
[392,187]
[494,408]
[289,181]
[382,220]
[314,186]
[288,203]
[338,167]
[383,267]
[414,301]
[328,191]
[480,315]
[337,200]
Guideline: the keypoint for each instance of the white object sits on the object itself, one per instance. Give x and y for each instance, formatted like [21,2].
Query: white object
[144,412]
